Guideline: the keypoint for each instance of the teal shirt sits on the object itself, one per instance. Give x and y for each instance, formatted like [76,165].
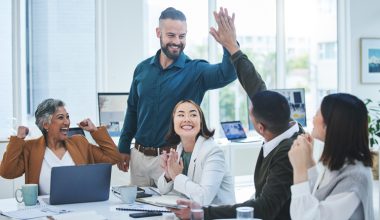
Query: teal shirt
[186,156]
[155,91]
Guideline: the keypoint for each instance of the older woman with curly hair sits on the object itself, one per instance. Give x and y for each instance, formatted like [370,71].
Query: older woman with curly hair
[36,157]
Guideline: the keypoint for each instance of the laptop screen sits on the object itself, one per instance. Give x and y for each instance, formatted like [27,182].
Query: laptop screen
[233,130]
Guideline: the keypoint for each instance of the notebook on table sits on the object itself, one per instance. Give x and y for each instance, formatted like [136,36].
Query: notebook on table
[234,132]
[169,200]
[78,184]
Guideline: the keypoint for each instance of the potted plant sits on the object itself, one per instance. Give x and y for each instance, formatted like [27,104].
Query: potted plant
[374,133]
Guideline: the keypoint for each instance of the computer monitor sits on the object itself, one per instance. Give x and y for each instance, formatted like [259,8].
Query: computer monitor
[296,100]
[112,109]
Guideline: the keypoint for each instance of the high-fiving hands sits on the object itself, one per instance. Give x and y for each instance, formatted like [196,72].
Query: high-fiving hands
[226,33]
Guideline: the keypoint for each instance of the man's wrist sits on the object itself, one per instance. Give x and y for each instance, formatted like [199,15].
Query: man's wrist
[232,48]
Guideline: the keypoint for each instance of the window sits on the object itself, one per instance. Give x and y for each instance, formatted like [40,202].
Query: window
[6,104]
[197,31]
[310,42]
[327,50]
[197,25]
[256,33]
[310,55]
[61,56]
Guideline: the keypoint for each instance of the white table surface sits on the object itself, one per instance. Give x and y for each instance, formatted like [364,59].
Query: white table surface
[105,208]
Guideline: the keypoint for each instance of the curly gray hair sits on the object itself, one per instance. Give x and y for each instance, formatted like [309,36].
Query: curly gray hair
[45,111]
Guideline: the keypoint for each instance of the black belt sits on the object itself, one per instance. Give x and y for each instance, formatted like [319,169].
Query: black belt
[153,151]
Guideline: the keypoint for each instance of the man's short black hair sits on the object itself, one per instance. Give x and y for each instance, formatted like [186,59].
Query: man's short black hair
[272,110]
[172,13]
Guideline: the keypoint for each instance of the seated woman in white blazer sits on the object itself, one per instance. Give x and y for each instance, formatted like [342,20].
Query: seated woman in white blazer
[198,166]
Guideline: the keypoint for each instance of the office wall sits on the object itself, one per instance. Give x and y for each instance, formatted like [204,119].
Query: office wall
[125,42]
[365,23]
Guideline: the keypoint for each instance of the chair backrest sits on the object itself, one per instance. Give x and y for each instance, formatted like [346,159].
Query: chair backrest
[76,130]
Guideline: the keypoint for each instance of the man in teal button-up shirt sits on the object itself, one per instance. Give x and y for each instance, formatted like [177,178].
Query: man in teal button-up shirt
[158,84]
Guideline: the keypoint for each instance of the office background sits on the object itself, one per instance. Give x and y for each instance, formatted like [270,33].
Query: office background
[73,49]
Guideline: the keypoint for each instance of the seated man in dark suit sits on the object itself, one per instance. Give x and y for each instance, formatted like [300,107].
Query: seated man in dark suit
[273,176]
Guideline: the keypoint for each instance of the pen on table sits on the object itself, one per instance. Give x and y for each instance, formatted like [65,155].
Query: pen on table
[155,190]
[142,210]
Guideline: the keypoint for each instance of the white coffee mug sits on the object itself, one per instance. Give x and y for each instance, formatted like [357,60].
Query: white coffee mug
[127,194]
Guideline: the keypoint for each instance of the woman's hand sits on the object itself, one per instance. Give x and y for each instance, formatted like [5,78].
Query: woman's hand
[164,164]
[174,167]
[301,157]
[87,125]
[22,132]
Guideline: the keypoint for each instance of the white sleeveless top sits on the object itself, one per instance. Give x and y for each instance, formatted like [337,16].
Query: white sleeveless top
[51,160]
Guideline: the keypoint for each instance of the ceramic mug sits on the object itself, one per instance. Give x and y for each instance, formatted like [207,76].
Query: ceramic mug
[127,194]
[29,194]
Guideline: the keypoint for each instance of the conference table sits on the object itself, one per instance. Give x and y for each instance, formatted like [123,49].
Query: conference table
[79,211]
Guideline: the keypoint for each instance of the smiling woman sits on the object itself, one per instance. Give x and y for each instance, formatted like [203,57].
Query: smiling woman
[197,166]
[54,148]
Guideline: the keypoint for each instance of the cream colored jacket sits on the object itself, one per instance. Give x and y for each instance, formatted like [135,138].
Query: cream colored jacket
[207,174]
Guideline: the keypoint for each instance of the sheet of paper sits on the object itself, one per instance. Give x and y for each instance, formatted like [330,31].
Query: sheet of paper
[37,211]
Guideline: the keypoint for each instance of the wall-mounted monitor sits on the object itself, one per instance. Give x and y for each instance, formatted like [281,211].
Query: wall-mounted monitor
[296,100]
[112,109]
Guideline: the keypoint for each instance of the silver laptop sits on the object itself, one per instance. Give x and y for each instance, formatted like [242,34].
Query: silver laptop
[234,132]
[82,183]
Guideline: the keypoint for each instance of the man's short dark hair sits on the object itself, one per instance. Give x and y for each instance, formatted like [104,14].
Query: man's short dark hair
[172,13]
[272,110]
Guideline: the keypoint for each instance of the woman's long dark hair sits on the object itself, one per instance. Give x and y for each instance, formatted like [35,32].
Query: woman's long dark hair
[173,139]
[346,120]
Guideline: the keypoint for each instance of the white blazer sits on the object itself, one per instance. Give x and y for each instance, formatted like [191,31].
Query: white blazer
[207,174]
